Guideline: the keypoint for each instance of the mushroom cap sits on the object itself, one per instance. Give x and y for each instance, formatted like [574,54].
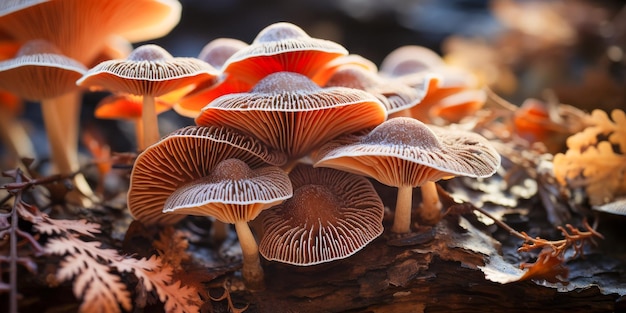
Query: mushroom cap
[322,76]
[405,152]
[81,28]
[410,59]
[331,216]
[232,192]
[192,103]
[395,95]
[218,50]
[281,47]
[39,71]
[455,107]
[183,156]
[149,70]
[289,112]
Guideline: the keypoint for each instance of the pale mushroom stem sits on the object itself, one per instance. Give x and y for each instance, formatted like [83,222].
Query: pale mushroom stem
[139,135]
[252,271]
[64,147]
[15,138]
[150,122]
[430,211]
[402,215]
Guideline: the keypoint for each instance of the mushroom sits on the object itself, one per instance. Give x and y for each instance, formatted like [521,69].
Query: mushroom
[40,73]
[281,47]
[411,64]
[405,153]
[149,71]
[183,156]
[396,96]
[129,107]
[326,71]
[331,216]
[216,52]
[290,113]
[12,132]
[234,193]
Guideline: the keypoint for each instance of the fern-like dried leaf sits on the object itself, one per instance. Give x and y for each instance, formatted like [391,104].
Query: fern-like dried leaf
[549,267]
[172,247]
[53,226]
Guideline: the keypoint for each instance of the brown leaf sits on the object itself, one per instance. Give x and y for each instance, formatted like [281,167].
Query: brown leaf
[549,267]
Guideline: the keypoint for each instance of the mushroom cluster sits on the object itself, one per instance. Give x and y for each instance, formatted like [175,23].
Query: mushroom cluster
[262,111]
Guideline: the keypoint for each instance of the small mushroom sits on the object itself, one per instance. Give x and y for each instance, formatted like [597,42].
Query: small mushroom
[123,106]
[215,53]
[395,95]
[281,47]
[290,113]
[183,156]
[39,72]
[149,71]
[331,216]
[405,153]
[234,193]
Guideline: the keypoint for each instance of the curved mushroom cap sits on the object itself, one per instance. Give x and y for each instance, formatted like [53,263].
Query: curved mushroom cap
[290,113]
[39,71]
[457,106]
[410,59]
[282,47]
[325,72]
[232,192]
[218,50]
[331,216]
[182,157]
[148,70]
[81,28]
[404,151]
[395,95]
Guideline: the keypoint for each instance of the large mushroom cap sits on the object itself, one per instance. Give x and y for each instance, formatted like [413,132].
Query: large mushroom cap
[282,47]
[182,157]
[404,151]
[218,50]
[232,192]
[289,112]
[148,70]
[39,71]
[81,28]
[332,215]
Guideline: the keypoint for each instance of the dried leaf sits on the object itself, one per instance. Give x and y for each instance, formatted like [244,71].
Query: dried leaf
[52,226]
[172,247]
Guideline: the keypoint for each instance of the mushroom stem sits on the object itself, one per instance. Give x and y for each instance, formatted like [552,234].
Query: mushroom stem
[139,134]
[252,271]
[430,211]
[150,122]
[15,138]
[402,215]
[63,147]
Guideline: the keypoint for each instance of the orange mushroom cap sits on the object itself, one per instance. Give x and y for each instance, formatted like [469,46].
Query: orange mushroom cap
[81,28]
[281,47]
[322,76]
[183,156]
[218,50]
[331,216]
[289,112]
[125,106]
[148,70]
[39,71]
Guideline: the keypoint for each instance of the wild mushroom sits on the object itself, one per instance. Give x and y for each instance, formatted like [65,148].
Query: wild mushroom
[290,113]
[405,153]
[12,132]
[331,216]
[281,47]
[326,71]
[149,71]
[183,156]
[216,52]
[396,96]
[129,107]
[40,73]
[234,193]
